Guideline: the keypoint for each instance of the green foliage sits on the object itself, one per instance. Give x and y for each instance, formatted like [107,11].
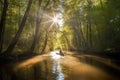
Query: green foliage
[99,20]
[88,24]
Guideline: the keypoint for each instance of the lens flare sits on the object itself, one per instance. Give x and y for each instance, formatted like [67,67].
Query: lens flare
[55,19]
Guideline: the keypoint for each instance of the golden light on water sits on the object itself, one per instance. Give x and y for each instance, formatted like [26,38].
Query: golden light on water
[30,62]
[79,70]
[68,67]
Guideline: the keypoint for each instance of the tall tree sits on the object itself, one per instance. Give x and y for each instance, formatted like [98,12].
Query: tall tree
[45,42]
[21,26]
[2,22]
[38,21]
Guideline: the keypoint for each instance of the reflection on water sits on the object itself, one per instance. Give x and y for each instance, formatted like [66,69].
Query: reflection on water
[29,62]
[57,69]
[54,68]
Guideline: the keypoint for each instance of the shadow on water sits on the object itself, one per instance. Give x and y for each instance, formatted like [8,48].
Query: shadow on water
[53,68]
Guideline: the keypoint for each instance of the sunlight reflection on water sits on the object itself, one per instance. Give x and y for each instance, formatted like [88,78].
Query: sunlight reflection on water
[54,55]
[57,69]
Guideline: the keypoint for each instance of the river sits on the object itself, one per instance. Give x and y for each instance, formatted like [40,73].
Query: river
[52,67]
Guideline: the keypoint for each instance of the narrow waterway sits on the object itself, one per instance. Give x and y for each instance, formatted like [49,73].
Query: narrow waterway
[55,67]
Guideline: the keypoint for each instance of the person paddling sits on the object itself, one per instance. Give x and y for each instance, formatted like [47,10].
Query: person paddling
[61,53]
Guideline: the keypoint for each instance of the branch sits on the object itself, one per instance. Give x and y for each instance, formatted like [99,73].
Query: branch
[47,4]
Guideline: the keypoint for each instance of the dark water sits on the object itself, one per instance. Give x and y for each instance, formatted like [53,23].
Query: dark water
[46,68]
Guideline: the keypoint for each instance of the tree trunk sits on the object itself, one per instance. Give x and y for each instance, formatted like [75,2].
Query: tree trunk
[87,36]
[83,43]
[101,4]
[2,23]
[90,34]
[38,26]
[21,26]
[89,28]
[45,42]
[38,21]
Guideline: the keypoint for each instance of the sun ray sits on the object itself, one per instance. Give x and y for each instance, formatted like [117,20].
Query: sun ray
[47,16]
[57,25]
[52,20]
[50,26]
[47,21]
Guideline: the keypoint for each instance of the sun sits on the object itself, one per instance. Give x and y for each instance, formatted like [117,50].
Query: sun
[55,19]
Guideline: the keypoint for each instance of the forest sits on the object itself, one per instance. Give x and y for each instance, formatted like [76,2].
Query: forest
[59,39]
[28,26]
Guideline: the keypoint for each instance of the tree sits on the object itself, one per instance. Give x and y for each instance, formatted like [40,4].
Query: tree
[21,26]
[2,22]
[45,42]
[38,21]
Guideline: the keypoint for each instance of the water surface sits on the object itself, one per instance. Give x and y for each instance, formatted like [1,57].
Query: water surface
[45,67]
